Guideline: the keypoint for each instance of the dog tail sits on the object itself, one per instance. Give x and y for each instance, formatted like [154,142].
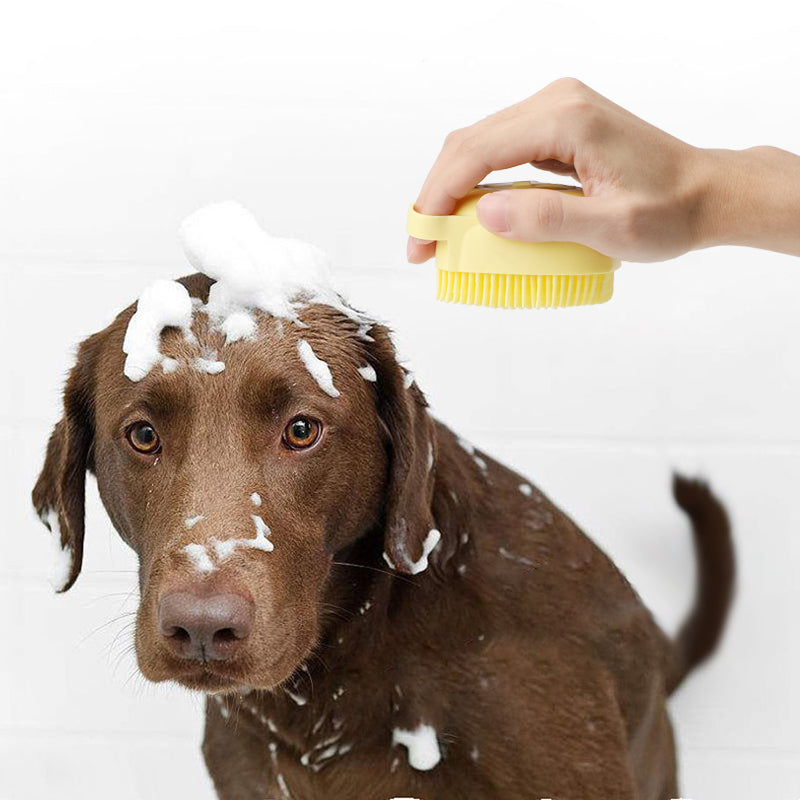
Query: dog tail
[716,570]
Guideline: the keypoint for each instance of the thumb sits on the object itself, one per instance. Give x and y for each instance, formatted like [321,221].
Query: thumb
[544,215]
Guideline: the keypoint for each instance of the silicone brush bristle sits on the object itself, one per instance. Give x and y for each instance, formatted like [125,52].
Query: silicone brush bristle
[523,291]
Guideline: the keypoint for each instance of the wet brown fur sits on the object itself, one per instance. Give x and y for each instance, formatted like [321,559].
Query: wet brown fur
[522,645]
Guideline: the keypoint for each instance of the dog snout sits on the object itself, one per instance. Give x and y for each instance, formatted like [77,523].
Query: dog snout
[205,627]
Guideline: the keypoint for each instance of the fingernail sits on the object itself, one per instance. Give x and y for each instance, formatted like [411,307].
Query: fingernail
[492,212]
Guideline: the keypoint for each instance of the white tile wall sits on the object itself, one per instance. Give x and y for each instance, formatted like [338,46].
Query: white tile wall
[324,118]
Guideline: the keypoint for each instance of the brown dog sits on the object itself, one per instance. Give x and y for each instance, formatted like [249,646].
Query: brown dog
[283,536]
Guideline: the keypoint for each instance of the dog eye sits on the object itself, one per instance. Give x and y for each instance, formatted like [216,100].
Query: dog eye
[143,438]
[301,433]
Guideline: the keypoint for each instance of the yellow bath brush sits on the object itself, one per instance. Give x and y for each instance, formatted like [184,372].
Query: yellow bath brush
[477,267]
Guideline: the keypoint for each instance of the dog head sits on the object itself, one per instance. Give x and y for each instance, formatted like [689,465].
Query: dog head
[238,473]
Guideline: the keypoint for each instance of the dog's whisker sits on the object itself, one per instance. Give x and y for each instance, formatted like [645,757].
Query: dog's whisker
[112,572]
[121,657]
[95,600]
[100,627]
[108,650]
[374,569]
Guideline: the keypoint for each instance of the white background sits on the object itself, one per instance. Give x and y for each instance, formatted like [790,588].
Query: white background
[116,120]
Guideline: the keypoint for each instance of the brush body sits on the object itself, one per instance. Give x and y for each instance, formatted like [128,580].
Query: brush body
[477,267]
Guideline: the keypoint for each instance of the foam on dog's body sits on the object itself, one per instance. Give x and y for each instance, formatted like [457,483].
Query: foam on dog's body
[422,746]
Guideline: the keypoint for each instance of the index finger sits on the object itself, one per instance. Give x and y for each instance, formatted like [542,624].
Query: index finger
[516,135]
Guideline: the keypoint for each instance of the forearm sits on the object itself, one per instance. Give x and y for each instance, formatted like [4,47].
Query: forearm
[750,198]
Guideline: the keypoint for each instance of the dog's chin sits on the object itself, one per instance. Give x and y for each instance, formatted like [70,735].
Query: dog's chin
[208,682]
[216,677]
[211,681]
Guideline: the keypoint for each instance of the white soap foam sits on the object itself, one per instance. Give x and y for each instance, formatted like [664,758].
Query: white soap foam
[526,489]
[255,499]
[431,540]
[368,373]
[61,565]
[238,325]
[319,369]
[190,522]
[162,304]
[209,365]
[296,698]
[170,365]
[466,445]
[515,557]
[254,269]
[224,547]
[199,557]
[423,748]
[262,532]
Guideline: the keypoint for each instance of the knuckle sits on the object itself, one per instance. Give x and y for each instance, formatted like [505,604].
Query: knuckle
[580,113]
[569,87]
[453,139]
[464,143]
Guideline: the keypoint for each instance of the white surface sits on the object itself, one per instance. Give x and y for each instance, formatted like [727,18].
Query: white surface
[323,119]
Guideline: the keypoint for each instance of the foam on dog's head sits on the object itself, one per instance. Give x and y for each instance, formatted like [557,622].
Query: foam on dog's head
[253,270]
[162,304]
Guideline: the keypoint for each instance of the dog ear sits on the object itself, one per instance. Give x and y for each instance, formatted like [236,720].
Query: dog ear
[410,529]
[59,493]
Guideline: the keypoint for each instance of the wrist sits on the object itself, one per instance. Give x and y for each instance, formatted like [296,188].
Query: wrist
[749,198]
[722,184]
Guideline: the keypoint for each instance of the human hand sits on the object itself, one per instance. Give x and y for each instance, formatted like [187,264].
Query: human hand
[645,192]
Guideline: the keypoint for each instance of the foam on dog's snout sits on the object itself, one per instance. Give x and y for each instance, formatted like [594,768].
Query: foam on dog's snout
[162,304]
[199,557]
[199,554]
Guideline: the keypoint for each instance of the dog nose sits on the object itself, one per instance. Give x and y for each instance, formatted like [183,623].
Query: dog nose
[205,628]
